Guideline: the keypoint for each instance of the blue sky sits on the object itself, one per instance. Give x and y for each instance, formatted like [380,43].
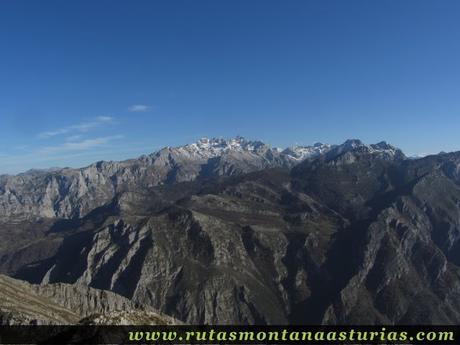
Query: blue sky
[85,80]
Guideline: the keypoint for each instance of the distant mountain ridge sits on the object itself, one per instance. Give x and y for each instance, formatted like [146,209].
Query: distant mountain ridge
[70,193]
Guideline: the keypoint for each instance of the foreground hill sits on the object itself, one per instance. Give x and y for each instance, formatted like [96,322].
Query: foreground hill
[63,304]
[20,304]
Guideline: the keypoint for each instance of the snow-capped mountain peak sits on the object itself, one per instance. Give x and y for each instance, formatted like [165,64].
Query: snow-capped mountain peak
[206,148]
[300,153]
[214,147]
[241,154]
[381,150]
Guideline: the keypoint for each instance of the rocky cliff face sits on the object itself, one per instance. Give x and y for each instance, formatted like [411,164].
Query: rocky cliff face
[357,234]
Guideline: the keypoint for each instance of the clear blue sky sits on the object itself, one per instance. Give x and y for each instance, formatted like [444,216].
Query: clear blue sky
[87,80]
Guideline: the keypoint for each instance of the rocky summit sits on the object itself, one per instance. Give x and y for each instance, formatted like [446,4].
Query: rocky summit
[236,232]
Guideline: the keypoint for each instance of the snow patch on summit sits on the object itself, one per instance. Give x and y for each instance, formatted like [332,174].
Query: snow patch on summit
[300,153]
[215,147]
[208,148]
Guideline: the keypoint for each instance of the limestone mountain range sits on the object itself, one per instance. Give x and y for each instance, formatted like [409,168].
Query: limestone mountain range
[236,232]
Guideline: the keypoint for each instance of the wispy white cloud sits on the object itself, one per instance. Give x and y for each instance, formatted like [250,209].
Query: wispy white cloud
[81,127]
[139,108]
[79,154]
[74,137]
[49,134]
[81,145]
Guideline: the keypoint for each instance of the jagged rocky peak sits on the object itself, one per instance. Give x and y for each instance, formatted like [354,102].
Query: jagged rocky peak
[385,147]
[352,148]
[236,143]
[214,147]
[382,146]
[300,153]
